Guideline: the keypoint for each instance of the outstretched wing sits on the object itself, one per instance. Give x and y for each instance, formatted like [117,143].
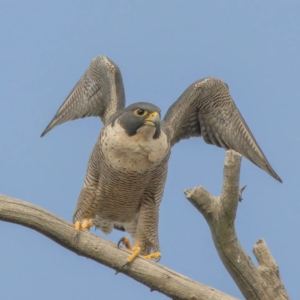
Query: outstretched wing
[99,92]
[206,109]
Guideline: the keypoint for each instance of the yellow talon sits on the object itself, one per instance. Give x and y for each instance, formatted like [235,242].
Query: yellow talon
[126,242]
[85,224]
[156,255]
[77,225]
[136,250]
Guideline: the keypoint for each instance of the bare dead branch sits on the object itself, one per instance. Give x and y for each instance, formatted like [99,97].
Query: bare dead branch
[262,282]
[151,274]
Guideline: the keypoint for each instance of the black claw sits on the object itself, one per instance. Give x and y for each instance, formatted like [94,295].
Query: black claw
[120,241]
[117,272]
[76,236]
[158,259]
[125,265]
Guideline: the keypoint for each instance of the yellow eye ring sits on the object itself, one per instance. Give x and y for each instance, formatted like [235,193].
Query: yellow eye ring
[140,112]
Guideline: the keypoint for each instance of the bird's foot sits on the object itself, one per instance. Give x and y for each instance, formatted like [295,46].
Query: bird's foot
[84,224]
[135,250]
[156,255]
[126,242]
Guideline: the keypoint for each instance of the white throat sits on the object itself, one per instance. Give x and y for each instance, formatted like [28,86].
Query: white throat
[136,153]
[147,132]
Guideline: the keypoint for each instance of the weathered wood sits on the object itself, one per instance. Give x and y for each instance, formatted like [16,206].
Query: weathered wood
[151,274]
[262,282]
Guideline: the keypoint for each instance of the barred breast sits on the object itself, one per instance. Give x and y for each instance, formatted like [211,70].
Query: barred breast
[127,167]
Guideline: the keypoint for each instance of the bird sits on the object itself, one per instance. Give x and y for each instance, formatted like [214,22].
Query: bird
[127,169]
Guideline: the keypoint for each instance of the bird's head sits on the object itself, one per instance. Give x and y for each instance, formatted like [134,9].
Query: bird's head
[141,117]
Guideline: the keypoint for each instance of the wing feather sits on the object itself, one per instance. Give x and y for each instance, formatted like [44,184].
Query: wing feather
[99,92]
[206,109]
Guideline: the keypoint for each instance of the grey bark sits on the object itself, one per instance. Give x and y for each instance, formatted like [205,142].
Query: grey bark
[153,275]
[262,282]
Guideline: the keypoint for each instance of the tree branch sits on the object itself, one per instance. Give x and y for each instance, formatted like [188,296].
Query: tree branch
[262,282]
[151,274]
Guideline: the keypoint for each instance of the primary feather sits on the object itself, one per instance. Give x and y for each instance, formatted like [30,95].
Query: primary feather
[127,169]
[206,109]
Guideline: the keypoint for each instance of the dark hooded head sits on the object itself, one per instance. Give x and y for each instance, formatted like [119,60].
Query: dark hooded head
[138,115]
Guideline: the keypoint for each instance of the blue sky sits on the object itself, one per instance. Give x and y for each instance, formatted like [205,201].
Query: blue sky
[161,47]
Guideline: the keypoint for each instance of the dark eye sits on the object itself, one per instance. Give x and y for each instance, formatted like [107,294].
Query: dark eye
[140,112]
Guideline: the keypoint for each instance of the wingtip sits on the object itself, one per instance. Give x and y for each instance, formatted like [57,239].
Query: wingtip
[45,131]
[271,171]
[49,127]
[275,176]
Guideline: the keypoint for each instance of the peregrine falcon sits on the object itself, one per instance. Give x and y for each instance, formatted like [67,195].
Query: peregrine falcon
[127,169]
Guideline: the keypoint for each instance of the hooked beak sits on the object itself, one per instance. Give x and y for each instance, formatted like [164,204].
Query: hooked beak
[153,120]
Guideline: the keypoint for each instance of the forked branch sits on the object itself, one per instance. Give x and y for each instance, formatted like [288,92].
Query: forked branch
[262,282]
